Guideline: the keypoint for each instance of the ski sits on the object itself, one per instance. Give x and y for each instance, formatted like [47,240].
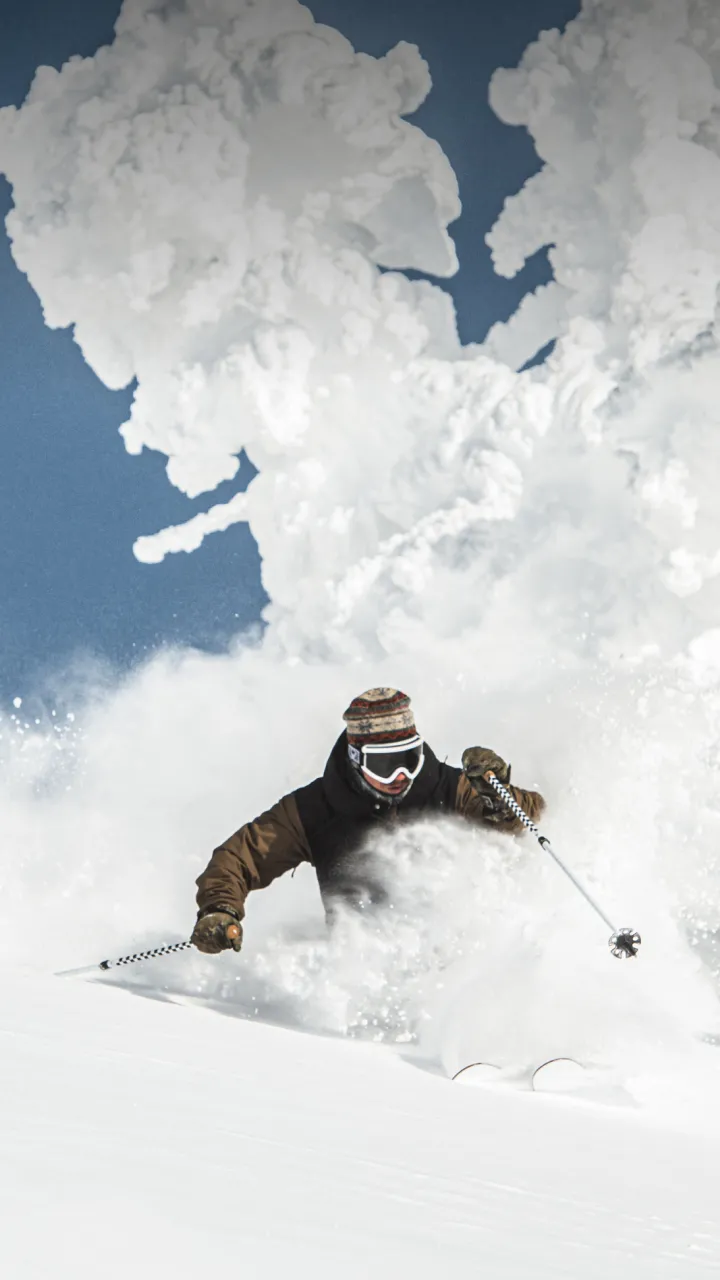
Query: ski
[479,1073]
[563,1077]
[558,1075]
[554,1075]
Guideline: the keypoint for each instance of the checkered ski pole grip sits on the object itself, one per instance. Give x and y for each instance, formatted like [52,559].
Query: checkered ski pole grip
[169,949]
[624,943]
[232,931]
[146,955]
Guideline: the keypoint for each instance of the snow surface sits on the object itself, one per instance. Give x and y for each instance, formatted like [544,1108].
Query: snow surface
[142,1139]
[532,554]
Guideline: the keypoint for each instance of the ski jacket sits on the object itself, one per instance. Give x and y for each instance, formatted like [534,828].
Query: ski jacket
[330,822]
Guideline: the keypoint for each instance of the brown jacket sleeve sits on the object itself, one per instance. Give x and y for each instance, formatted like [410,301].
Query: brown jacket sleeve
[472,806]
[255,856]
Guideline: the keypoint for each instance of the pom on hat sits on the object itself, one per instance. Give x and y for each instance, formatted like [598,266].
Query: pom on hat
[380,715]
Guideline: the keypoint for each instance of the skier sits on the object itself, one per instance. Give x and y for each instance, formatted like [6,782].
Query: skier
[380,770]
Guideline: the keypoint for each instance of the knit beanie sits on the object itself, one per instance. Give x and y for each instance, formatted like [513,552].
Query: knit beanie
[379,716]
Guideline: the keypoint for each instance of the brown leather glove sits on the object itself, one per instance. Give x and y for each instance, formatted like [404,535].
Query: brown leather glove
[477,761]
[217,930]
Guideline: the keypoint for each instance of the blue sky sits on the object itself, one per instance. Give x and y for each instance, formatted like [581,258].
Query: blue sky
[71,500]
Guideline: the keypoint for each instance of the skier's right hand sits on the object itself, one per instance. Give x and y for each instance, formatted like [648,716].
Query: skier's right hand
[212,929]
[477,761]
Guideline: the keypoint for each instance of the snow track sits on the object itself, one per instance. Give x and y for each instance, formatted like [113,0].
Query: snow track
[148,1140]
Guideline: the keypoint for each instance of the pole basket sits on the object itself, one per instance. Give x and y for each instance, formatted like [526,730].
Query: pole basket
[625,944]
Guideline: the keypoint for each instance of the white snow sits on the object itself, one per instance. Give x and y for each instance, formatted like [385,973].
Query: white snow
[144,1139]
[533,556]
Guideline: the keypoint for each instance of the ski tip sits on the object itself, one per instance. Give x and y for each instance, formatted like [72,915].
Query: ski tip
[558,1075]
[477,1073]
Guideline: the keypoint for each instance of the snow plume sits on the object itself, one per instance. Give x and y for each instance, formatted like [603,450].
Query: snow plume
[205,201]
[480,949]
[534,555]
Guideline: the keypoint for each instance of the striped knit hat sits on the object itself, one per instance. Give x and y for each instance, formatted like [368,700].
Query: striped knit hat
[380,715]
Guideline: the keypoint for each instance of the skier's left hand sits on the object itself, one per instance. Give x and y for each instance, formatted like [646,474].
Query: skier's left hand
[477,761]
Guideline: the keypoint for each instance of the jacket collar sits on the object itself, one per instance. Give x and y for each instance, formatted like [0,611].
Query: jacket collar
[345,795]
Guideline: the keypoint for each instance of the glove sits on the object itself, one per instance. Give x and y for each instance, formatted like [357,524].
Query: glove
[211,931]
[477,761]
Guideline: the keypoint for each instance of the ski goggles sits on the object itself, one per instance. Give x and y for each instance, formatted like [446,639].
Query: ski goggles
[385,762]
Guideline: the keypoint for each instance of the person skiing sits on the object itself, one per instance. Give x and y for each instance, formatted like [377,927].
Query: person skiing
[379,771]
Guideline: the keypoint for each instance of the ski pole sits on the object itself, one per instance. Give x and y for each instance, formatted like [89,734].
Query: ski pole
[624,943]
[232,932]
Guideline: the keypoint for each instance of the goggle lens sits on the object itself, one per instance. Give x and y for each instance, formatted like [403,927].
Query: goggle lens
[386,763]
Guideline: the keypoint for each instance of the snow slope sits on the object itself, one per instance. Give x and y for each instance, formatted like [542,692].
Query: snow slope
[149,1140]
[212,202]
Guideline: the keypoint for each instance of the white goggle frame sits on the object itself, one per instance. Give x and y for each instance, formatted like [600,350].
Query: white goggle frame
[359,755]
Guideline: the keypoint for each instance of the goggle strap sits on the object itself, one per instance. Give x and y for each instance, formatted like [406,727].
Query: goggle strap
[390,748]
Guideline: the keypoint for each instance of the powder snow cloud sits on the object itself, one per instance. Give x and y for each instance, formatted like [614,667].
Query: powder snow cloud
[209,201]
